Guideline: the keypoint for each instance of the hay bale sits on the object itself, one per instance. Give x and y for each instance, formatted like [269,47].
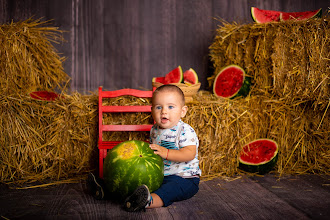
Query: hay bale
[225,126]
[28,60]
[47,140]
[58,140]
[288,59]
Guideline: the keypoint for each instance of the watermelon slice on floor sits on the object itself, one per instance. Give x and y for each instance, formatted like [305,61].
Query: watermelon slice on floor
[174,76]
[190,77]
[231,82]
[259,156]
[265,16]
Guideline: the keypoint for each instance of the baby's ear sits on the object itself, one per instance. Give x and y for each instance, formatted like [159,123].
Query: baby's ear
[184,111]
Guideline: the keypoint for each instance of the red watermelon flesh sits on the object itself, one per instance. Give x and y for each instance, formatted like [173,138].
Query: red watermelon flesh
[264,16]
[44,95]
[258,152]
[300,15]
[259,156]
[229,81]
[159,79]
[190,77]
[174,76]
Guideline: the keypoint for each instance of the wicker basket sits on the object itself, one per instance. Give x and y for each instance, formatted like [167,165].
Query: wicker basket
[188,90]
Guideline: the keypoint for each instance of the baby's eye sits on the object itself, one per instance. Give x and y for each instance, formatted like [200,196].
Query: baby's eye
[170,107]
[158,107]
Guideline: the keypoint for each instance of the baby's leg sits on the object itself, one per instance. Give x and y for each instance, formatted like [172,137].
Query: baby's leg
[156,201]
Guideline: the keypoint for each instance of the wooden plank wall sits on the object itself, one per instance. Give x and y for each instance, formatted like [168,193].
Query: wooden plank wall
[124,43]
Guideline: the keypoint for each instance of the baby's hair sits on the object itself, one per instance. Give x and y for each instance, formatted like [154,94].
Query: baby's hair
[170,88]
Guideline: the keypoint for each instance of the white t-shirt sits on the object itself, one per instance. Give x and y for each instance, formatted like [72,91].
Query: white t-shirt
[177,137]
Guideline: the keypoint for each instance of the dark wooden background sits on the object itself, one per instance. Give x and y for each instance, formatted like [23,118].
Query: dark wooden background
[124,43]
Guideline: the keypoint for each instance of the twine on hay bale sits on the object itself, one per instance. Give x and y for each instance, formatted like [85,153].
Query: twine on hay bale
[290,59]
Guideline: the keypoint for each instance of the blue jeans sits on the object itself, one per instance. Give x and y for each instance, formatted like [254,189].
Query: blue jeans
[175,188]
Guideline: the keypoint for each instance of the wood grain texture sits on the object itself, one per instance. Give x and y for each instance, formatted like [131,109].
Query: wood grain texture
[124,43]
[291,197]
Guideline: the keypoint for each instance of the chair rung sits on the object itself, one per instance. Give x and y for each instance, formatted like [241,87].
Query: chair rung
[108,144]
[126,127]
[143,108]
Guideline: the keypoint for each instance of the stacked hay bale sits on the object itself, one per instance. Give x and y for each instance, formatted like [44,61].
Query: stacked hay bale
[28,60]
[57,140]
[289,102]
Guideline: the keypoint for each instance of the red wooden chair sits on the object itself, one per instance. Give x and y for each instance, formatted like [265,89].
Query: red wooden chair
[104,146]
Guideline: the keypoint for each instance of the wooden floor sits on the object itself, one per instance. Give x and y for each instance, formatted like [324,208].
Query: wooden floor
[291,197]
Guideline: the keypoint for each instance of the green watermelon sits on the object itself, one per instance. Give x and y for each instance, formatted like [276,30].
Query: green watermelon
[231,82]
[259,156]
[129,165]
[265,16]
[190,77]
[174,76]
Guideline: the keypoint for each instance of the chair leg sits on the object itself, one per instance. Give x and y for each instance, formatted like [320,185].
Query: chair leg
[101,158]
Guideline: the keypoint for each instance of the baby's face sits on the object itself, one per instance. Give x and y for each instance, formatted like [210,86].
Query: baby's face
[167,109]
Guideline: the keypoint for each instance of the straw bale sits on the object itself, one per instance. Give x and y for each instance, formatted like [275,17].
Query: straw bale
[28,60]
[46,140]
[225,126]
[288,59]
[58,140]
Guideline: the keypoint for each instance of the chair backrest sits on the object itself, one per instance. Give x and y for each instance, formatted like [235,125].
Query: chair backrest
[113,109]
[106,145]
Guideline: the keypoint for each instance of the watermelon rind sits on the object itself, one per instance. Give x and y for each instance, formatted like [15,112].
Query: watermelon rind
[300,15]
[190,77]
[242,91]
[129,165]
[264,16]
[262,167]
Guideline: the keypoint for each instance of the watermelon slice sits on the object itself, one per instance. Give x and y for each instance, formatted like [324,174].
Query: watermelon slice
[174,76]
[265,16]
[259,156]
[231,82]
[300,15]
[159,79]
[44,95]
[190,77]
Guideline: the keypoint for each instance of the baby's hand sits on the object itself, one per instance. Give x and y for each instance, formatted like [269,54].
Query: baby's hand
[159,150]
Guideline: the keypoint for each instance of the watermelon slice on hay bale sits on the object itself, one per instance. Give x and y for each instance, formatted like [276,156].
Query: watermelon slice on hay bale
[265,16]
[231,82]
